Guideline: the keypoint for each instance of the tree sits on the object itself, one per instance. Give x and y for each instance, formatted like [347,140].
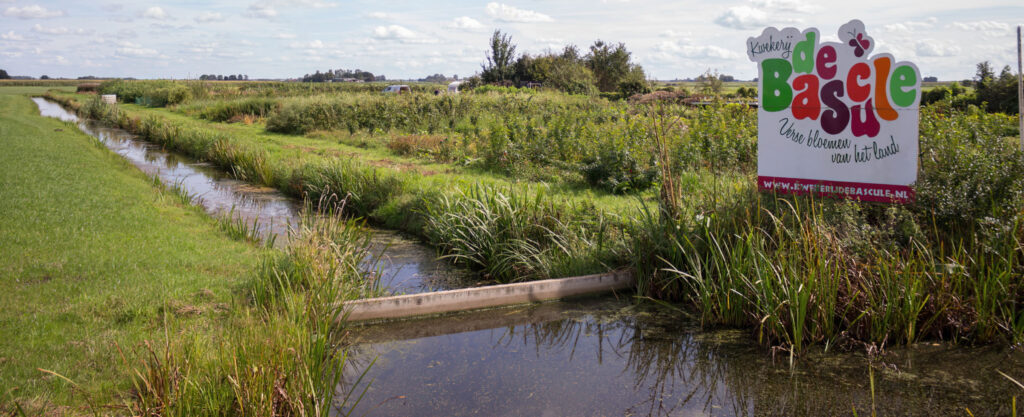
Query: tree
[3,75]
[999,94]
[710,83]
[610,64]
[499,63]
[44,77]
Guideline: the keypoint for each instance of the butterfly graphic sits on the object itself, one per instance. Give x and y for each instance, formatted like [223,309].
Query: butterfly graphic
[859,44]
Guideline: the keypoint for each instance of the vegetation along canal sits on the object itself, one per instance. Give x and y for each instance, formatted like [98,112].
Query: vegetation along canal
[406,266]
[596,356]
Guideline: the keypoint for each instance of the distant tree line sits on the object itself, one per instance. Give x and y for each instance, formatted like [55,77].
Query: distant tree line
[338,74]
[218,77]
[3,75]
[993,93]
[438,78]
[606,67]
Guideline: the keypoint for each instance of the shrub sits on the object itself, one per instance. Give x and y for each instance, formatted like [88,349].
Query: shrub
[618,171]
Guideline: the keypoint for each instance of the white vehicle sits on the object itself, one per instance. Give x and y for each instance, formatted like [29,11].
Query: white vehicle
[398,89]
[453,88]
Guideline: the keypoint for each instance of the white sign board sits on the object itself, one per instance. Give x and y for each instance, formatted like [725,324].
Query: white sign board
[833,119]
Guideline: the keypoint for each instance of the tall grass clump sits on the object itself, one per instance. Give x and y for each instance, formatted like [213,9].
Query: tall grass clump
[279,354]
[231,110]
[151,93]
[511,236]
[365,189]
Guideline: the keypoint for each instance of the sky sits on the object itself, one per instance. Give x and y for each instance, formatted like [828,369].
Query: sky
[413,39]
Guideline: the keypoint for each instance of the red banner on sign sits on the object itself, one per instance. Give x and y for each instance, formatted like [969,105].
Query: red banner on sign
[883,193]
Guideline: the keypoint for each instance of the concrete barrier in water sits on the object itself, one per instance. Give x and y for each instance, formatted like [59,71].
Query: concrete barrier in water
[410,305]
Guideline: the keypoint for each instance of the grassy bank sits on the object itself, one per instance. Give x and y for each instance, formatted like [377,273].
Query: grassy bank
[797,271]
[566,234]
[121,299]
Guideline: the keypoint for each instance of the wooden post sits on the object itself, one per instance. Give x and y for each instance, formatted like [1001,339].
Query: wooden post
[1020,91]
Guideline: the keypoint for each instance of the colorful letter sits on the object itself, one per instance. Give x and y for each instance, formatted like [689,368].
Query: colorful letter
[803,54]
[858,92]
[806,105]
[826,56]
[777,93]
[835,120]
[903,76]
[882,105]
[868,126]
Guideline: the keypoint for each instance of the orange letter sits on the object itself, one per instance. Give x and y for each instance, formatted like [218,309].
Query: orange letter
[882,105]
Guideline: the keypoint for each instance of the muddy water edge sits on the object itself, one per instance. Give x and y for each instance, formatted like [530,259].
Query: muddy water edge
[405,265]
[594,356]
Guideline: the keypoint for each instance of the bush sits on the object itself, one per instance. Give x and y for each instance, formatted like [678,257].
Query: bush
[631,87]
[618,171]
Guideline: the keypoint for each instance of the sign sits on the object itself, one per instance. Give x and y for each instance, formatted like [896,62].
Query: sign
[833,119]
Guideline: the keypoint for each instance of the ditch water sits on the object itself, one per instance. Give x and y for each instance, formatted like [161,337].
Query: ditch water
[594,356]
[608,357]
[406,265]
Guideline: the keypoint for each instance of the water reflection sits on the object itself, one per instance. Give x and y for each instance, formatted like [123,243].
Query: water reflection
[406,265]
[609,357]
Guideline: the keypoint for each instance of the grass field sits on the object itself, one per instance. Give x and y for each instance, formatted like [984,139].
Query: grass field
[119,298]
[93,256]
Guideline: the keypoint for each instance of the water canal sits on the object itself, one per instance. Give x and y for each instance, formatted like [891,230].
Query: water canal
[602,356]
[406,265]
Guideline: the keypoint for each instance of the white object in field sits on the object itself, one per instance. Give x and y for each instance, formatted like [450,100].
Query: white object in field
[398,89]
[109,98]
[453,88]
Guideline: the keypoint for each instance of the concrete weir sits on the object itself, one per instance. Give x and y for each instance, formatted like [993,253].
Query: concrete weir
[400,306]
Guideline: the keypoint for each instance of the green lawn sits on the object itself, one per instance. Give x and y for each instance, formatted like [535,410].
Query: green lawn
[93,256]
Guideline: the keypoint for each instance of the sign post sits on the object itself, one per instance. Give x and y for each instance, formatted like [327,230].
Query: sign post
[1020,92]
[833,119]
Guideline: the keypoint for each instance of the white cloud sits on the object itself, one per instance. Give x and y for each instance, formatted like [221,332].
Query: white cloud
[315,44]
[285,36]
[743,17]
[316,4]
[267,9]
[32,12]
[911,26]
[785,6]
[932,48]
[137,52]
[11,54]
[981,25]
[505,13]
[55,60]
[11,36]
[50,30]
[207,17]
[671,34]
[761,13]
[262,11]
[155,12]
[378,15]
[59,30]
[675,48]
[393,32]
[465,23]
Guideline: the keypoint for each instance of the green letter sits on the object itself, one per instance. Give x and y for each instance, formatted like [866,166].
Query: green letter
[903,76]
[803,55]
[776,94]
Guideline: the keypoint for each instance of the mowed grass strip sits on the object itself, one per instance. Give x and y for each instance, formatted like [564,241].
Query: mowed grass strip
[93,256]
